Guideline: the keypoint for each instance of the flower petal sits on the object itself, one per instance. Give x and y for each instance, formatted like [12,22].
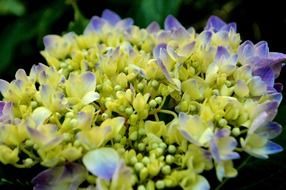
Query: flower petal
[102,162]
[214,23]
[95,25]
[110,16]
[90,97]
[262,49]
[269,131]
[266,74]
[4,85]
[40,114]
[153,27]
[171,23]
[69,177]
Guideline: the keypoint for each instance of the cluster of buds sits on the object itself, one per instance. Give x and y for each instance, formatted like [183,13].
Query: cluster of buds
[123,107]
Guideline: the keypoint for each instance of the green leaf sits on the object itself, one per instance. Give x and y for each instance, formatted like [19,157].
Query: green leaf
[149,10]
[13,7]
[25,29]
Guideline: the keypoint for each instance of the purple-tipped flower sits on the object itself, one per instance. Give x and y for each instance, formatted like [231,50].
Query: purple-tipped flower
[257,141]
[68,177]
[216,24]
[260,59]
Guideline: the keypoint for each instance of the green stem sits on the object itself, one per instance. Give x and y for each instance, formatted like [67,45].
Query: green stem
[169,112]
[239,167]
[27,152]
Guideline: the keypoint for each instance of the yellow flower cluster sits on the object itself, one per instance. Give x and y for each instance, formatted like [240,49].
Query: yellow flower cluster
[141,108]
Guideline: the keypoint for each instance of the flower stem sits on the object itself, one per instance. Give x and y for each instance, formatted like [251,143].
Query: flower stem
[239,167]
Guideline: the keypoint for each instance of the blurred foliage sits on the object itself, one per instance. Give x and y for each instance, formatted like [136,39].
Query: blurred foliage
[13,7]
[23,23]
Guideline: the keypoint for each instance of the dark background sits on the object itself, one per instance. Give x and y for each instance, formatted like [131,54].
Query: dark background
[23,23]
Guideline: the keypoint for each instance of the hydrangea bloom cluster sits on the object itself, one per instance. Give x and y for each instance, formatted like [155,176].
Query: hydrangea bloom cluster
[123,107]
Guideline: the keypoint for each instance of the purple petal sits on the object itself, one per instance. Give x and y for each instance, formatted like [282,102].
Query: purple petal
[270,131]
[221,52]
[95,25]
[263,152]
[266,74]
[110,16]
[277,59]
[2,104]
[229,27]
[125,23]
[163,36]
[222,133]
[278,87]
[157,50]
[246,49]
[35,134]
[153,27]
[272,148]
[188,49]
[102,162]
[259,121]
[214,23]
[180,34]
[271,109]
[262,49]
[277,97]
[206,37]
[231,156]
[164,69]
[69,176]
[6,112]
[171,23]
[214,149]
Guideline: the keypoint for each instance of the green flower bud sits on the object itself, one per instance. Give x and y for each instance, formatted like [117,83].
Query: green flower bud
[141,187]
[28,162]
[70,114]
[138,166]
[170,159]
[134,136]
[128,110]
[141,146]
[154,167]
[99,87]
[34,104]
[73,123]
[141,132]
[162,145]
[143,173]
[159,151]
[152,103]
[133,160]
[154,146]
[160,184]
[235,131]
[154,83]
[139,157]
[133,119]
[222,122]
[145,160]
[166,169]
[29,142]
[150,185]
[117,87]
[172,149]
[140,86]
[168,183]
[158,100]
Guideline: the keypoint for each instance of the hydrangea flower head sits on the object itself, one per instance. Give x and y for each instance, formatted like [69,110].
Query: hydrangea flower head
[123,107]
